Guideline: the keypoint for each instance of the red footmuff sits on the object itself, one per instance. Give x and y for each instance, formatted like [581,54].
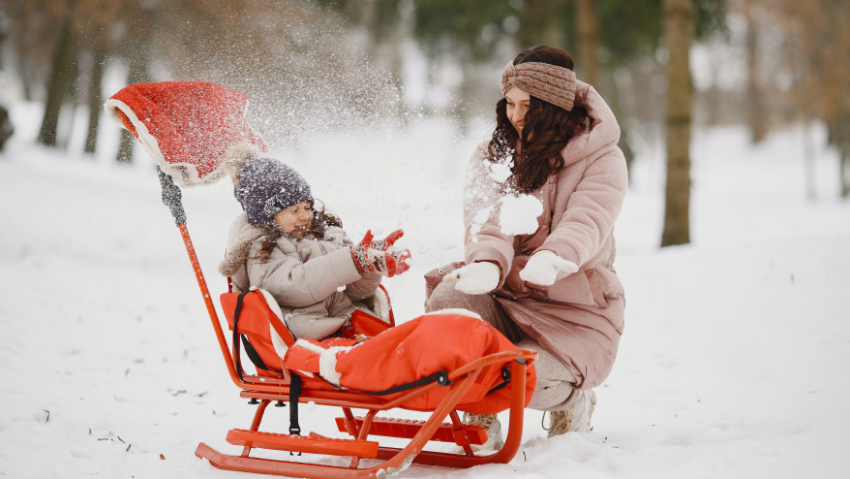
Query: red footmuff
[390,362]
[425,347]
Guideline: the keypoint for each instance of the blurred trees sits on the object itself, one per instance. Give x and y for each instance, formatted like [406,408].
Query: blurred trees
[798,69]
[313,65]
[287,56]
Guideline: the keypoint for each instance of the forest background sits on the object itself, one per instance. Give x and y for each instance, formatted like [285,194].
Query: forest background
[313,67]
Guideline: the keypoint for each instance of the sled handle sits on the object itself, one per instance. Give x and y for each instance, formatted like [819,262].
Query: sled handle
[172,198]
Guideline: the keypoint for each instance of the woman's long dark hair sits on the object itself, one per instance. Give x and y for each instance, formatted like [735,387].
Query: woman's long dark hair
[550,128]
[322,218]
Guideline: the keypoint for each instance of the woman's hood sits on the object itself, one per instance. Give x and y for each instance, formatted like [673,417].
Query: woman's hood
[604,127]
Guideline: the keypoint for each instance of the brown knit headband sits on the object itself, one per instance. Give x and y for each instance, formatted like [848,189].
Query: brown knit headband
[550,83]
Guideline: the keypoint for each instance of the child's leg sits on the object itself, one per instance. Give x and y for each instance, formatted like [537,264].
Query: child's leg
[445,296]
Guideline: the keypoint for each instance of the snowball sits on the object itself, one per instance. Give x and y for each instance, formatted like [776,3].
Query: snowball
[500,172]
[519,214]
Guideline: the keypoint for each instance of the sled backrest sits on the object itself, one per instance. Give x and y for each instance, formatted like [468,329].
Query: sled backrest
[260,327]
[252,316]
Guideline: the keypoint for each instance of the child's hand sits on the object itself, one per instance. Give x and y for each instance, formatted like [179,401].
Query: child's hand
[389,261]
[382,245]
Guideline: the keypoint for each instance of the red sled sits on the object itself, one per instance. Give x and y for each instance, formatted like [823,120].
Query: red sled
[394,368]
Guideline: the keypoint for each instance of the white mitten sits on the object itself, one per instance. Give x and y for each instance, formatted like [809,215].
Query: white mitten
[475,278]
[544,266]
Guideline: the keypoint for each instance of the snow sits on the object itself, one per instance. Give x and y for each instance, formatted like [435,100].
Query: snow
[733,362]
[518,214]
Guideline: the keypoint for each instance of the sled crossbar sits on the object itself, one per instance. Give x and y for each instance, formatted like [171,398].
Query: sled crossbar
[407,428]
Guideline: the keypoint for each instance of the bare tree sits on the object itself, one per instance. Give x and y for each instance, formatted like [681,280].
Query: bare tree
[587,22]
[678,35]
[63,74]
[757,114]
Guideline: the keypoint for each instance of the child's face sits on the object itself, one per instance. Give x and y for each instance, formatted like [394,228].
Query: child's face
[296,219]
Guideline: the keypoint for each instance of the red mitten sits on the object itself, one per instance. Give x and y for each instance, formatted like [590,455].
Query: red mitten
[389,261]
[383,244]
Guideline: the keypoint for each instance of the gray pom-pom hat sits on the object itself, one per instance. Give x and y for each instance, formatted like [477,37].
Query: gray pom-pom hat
[266,187]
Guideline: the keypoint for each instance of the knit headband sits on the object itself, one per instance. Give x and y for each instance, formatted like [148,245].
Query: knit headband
[550,83]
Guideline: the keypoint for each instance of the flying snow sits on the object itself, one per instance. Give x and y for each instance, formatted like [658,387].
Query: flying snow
[518,214]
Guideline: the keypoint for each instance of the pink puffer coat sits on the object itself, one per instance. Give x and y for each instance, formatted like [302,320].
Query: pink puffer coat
[580,317]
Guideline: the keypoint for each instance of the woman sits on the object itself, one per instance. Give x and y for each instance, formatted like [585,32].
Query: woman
[553,289]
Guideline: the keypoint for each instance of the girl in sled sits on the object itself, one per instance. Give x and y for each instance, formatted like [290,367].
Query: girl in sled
[300,254]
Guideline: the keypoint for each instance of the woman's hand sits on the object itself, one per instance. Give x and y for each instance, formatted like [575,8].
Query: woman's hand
[544,267]
[475,278]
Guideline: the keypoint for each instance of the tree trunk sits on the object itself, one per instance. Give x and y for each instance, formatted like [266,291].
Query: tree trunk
[755,103]
[609,84]
[678,33]
[137,73]
[588,39]
[95,99]
[839,137]
[62,77]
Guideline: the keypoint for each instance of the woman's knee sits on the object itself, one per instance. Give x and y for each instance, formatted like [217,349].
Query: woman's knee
[555,382]
[445,296]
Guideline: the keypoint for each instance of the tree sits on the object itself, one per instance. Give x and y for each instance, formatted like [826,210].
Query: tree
[678,35]
[756,110]
[95,98]
[63,74]
[588,39]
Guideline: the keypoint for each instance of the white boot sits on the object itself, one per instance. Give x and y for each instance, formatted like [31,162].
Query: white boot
[491,423]
[576,418]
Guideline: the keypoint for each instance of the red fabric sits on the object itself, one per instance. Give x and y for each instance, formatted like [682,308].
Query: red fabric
[365,324]
[417,349]
[193,123]
[394,356]
[254,320]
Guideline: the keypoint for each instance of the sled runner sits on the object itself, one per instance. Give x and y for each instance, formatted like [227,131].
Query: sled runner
[440,363]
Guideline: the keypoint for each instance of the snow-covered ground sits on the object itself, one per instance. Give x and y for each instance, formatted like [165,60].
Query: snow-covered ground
[733,363]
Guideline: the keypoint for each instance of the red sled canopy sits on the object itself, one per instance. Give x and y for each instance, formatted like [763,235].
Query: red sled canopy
[187,127]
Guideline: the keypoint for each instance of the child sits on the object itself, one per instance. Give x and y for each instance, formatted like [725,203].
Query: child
[301,255]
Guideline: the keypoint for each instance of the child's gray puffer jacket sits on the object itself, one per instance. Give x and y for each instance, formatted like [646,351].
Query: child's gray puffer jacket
[313,280]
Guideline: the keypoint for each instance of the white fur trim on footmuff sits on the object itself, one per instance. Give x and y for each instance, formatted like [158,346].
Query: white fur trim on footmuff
[455,311]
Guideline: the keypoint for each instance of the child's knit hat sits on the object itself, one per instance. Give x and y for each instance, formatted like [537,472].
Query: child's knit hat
[267,186]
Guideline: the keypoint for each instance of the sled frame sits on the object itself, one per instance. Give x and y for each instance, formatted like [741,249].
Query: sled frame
[262,390]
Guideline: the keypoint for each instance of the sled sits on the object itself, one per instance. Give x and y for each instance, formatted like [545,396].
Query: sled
[361,454]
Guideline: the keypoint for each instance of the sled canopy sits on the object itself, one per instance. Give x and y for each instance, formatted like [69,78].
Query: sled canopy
[187,127]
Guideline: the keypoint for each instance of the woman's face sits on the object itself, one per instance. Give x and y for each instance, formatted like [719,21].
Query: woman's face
[517,107]
[296,219]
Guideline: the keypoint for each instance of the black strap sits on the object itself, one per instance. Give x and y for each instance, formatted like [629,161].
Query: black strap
[294,393]
[506,376]
[442,378]
[237,355]
[506,379]
[253,355]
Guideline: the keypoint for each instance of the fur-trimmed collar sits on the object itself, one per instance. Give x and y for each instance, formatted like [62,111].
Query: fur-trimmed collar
[242,235]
